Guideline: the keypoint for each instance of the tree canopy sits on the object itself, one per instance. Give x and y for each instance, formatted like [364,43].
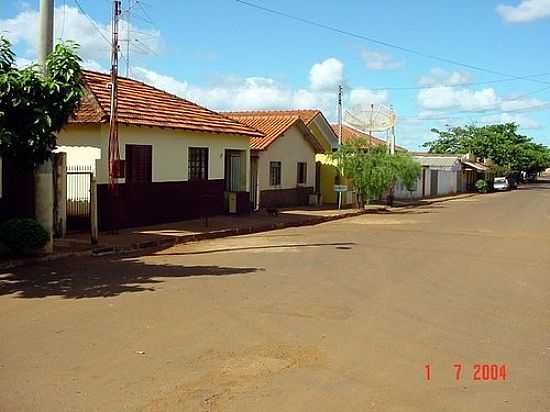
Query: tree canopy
[34,106]
[373,171]
[499,142]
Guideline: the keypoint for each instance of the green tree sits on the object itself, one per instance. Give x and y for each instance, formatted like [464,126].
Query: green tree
[373,171]
[499,142]
[34,107]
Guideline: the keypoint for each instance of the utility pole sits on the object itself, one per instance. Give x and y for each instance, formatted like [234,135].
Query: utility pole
[43,176]
[46,32]
[114,154]
[340,114]
[340,120]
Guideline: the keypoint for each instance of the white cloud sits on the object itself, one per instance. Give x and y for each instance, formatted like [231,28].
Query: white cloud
[440,77]
[366,97]
[525,11]
[160,81]
[326,75]
[520,104]
[433,102]
[523,121]
[444,98]
[70,24]
[257,93]
[377,60]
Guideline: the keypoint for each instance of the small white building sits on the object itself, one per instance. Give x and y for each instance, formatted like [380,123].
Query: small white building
[441,175]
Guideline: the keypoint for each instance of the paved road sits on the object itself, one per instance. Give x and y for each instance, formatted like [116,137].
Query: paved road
[342,316]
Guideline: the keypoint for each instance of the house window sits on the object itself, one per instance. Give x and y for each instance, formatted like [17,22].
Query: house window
[302,173]
[275,173]
[198,163]
[139,163]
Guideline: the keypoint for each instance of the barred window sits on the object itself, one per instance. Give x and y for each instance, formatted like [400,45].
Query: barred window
[198,163]
[302,173]
[275,173]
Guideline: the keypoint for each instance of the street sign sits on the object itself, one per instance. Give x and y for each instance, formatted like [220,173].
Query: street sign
[340,188]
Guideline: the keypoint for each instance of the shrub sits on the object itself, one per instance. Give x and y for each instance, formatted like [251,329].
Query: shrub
[482,186]
[22,235]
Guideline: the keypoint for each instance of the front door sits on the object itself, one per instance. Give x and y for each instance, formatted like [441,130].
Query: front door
[233,171]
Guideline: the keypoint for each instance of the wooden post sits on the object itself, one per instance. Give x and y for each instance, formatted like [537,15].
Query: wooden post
[93,210]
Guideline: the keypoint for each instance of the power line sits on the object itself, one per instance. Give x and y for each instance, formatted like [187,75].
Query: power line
[382,43]
[63,20]
[508,79]
[77,2]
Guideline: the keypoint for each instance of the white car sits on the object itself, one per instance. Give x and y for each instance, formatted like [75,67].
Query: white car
[501,184]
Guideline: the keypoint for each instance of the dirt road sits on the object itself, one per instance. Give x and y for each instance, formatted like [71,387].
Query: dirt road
[343,316]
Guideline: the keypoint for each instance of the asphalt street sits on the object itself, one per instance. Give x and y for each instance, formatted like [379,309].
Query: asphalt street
[388,312]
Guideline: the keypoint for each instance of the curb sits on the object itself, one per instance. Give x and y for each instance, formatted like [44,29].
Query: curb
[168,242]
[427,202]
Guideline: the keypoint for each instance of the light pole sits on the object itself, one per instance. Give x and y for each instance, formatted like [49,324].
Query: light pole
[43,177]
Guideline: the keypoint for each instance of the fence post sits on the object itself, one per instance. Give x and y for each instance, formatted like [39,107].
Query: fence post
[60,195]
[93,210]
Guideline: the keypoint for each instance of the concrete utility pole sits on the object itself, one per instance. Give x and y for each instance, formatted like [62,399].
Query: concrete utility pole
[43,177]
[46,31]
[340,114]
[340,120]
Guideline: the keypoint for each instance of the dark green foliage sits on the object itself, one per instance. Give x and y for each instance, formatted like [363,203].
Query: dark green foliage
[23,235]
[499,142]
[34,107]
[372,170]
[482,186]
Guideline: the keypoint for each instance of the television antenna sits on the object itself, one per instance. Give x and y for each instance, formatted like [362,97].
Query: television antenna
[373,118]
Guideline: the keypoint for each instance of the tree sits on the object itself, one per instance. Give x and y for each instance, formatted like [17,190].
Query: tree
[372,170]
[33,106]
[499,142]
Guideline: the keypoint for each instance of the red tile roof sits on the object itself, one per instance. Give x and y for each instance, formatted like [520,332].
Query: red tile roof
[350,133]
[274,124]
[143,105]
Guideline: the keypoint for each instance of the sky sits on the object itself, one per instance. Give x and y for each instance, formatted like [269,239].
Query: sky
[438,63]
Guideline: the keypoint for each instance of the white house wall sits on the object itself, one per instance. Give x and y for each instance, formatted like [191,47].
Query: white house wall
[288,149]
[446,182]
[170,149]
[401,191]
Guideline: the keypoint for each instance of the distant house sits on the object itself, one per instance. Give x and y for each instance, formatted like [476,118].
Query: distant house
[282,171]
[180,159]
[441,175]
[472,171]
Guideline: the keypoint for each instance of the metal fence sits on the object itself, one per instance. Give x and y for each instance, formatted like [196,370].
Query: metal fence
[78,197]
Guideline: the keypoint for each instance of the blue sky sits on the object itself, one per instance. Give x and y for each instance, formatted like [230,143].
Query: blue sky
[229,56]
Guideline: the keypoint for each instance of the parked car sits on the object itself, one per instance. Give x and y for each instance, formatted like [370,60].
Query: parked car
[513,178]
[531,176]
[501,184]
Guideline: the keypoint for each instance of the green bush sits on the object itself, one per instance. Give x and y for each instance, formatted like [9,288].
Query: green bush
[482,186]
[23,235]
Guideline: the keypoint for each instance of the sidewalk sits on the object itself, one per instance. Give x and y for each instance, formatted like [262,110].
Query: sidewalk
[169,234]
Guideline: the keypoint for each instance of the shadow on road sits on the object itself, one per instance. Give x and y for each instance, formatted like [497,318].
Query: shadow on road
[99,277]
[341,245]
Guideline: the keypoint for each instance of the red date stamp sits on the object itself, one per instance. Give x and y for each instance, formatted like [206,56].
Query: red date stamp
[478,372]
